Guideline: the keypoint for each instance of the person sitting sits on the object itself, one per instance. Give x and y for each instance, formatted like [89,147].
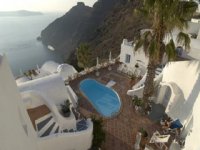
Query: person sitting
[173,127]
[166,124]
[166,121]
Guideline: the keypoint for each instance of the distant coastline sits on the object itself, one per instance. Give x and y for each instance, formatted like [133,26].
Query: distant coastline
[19,13]
[18,41]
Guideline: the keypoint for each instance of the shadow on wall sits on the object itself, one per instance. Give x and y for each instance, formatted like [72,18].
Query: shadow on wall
[193,63]
[193,95]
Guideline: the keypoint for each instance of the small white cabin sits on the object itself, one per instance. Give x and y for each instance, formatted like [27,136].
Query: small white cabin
[131,59]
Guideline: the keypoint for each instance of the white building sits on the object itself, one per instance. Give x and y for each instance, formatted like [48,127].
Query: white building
[133,60]
[179,93]
[194,32]
[130,58]
[48,68]
[179,86]
[49,132]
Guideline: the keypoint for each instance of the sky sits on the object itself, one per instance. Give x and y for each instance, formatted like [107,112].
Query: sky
[41,5]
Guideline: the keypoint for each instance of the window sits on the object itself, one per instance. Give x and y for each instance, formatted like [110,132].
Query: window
[128,58]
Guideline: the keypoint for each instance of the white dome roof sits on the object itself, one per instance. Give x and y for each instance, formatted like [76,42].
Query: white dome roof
[50,67]
[66,70]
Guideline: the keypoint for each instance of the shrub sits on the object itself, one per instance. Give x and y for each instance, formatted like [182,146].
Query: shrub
[144,132]
[65,108]
[137,101]
[98,133]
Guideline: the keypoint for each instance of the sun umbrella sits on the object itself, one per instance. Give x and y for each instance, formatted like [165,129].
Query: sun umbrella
[110,57]
[97,65]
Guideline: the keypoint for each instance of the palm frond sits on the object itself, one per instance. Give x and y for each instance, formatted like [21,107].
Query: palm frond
[170,50]
[186,9]
[139,43]
[184,40]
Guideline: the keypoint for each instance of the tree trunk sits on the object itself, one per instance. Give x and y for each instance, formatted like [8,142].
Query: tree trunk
[149,82]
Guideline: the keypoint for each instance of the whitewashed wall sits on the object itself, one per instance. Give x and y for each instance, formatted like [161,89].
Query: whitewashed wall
[16,130]
[12,114]
[128,48]
[184,74]
[193,27]
[53,86]
[192,140]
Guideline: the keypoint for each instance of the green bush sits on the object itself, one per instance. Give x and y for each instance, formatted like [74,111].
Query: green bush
[98,133]
[84,56]
[137,101]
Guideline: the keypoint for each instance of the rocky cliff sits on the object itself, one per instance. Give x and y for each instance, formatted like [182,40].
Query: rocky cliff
[103,27]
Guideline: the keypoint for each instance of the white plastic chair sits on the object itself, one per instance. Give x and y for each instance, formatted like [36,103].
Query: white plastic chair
[160,140]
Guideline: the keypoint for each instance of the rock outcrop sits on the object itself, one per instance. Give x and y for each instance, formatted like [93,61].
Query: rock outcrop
[102,26]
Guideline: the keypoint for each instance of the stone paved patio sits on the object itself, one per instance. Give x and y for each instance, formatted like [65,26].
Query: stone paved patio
[121,129]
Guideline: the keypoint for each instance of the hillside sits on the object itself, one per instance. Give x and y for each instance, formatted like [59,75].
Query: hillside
[119,24]
[103,26]
[65,32]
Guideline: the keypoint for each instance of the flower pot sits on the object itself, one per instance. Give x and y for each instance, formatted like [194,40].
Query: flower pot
[137,108]
[66,114]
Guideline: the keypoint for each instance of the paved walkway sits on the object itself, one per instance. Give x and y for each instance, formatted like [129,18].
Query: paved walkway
[121,129]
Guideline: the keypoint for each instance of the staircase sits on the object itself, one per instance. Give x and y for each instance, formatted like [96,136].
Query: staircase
[46,126]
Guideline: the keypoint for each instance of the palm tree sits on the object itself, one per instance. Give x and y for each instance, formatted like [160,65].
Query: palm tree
[84,56]
[166,15]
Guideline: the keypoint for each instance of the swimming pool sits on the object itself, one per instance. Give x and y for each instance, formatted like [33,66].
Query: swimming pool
[105,100]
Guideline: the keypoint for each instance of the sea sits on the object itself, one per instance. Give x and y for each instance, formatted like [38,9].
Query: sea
[18,41]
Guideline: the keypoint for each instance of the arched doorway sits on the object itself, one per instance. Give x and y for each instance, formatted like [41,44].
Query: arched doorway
[179,51]
[166,96]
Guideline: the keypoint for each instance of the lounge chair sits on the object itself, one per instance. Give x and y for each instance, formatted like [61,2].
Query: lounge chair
[110,84]
[160,140]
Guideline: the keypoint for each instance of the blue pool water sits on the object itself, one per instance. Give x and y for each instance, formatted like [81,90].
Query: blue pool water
[105,100]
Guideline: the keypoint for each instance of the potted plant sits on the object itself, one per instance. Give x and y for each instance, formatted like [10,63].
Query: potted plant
[65,108]
[137,102]
[143,132]
[144,139]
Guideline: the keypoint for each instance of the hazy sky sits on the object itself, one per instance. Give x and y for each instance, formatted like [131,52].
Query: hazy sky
[41,5]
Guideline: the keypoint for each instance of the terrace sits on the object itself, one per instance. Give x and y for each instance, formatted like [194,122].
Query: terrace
[38,112]
[120,130]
